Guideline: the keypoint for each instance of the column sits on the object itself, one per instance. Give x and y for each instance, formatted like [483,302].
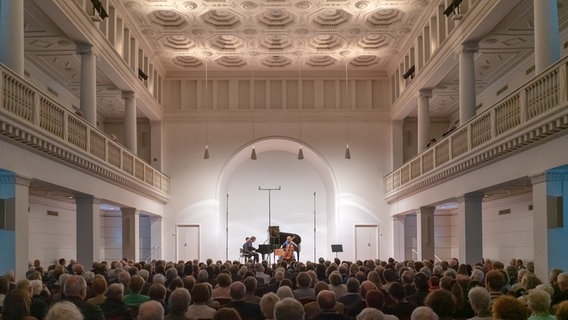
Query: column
[12,35]
[399,237]
[88,229]
[14,224]
[130,233]
[467,81]
[156,237]
[423,118]
[546,34]
[397,136]
[549,221]
[156,144]
[470,231]
[88,92]
[130,121]
[425,232]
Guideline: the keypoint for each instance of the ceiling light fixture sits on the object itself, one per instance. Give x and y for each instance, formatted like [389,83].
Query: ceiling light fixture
[206,153]
[300,152]
[253,151]
[347,152]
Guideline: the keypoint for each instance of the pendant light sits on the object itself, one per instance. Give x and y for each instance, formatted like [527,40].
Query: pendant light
[253,151]
[206,153]
[347,152]
[300,152]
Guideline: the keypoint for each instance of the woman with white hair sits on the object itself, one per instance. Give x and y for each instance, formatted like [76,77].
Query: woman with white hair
[480,302]
[538,302]
[423,313]
[370,314]
[64,310]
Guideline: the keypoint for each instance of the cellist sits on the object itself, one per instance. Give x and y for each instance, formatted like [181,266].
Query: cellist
[289,247]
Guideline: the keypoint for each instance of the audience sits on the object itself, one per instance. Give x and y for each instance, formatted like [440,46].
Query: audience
[324,289]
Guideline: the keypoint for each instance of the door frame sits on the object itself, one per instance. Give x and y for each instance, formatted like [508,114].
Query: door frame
[378,250]
[186,225]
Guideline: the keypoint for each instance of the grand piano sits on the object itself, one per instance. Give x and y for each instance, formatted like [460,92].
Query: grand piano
[277,238]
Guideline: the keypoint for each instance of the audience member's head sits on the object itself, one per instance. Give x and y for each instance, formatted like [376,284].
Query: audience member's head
[284,292]
[423,313]
[375,299]
[227,314]
[326,300]
[509,308]
[370,314]
[136,284]
[179,301]
[442,302]
[353,285]
[494,281]
[201,293]
[115,292]
[250,284]
[157,291]
[267,304]
[64,310]
[480,300]
[99,285]
[562,310]
[303,280]
[150,310]
[289,309]
[237,291]
[538,302]
[16,304]
[75,286]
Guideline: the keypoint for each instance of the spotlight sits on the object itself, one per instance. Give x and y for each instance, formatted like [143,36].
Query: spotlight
[409,73]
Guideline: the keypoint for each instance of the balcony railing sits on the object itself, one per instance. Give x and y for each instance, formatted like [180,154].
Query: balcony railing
[536,110]
[33,118]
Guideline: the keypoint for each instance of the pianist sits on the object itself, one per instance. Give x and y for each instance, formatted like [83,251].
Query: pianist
[249,249]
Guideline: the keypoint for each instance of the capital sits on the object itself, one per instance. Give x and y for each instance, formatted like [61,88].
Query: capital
[84,49]
[470,47]
[427,93]
[127,95]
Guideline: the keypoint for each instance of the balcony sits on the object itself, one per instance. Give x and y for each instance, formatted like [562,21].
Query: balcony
[536,111]
[31,118]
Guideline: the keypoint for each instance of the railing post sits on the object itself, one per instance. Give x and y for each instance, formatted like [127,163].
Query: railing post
[37,109]
[88,142]
[563,83]
[66,126]
[522,106]
[1,88]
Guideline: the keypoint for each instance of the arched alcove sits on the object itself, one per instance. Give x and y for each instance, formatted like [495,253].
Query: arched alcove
[277,189]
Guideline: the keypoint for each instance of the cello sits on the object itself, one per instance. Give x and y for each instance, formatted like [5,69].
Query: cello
[289,250]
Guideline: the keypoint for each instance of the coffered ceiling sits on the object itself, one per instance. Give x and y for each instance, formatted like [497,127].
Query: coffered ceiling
[276,34]
[226,38]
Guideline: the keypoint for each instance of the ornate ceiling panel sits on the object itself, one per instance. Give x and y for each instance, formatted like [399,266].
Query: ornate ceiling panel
[227,32]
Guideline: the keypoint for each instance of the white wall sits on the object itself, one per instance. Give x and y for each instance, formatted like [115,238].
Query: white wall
[52,237]
[349,190]
[508,236]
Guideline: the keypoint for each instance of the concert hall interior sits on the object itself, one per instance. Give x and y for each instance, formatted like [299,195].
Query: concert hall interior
[175,129]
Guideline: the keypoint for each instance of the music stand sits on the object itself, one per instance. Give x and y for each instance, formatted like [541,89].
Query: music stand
[336,248]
